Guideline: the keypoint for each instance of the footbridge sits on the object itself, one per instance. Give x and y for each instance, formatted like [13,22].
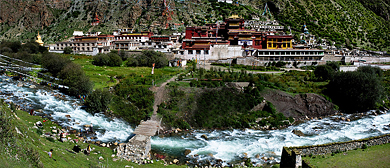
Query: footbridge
[139,146]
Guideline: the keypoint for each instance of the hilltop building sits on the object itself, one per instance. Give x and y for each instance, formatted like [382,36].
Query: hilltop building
[95,20]
[235,38]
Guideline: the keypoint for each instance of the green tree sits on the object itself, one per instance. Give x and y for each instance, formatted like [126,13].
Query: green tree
[324,72]
[68,50]
[335,65]
[74,77]
[54,63]
[148,58]
[115,60]
[98,100]
[356,91]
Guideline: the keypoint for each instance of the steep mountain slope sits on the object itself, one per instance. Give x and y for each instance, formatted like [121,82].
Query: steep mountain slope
[347,22]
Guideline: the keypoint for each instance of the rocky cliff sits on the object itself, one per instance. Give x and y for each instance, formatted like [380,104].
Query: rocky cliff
[300,105]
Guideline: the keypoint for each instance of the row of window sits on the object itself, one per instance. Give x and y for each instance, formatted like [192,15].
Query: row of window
[75,44]
[190,52]
[290,53]
[289,58]
[275,45]
[77,49]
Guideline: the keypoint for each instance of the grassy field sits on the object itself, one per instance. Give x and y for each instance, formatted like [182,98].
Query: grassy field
[30,140]
[375,156]
[102,76]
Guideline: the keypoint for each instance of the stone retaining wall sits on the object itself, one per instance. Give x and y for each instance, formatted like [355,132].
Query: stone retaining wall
[292,156]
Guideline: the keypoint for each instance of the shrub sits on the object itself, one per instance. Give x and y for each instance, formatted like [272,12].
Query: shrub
[54,63]
[364,146]
[324,72]
[115,60]
[68,50]
[356,91]
[98,101]
[101,59]
[148,58]
[74,77]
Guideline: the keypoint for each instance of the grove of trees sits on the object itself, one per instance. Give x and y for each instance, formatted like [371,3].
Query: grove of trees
[148,58]
[359,90]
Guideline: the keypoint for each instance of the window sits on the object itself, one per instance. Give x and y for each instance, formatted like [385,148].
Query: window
[182,52]
[206,52]
[197,51]
[190,52]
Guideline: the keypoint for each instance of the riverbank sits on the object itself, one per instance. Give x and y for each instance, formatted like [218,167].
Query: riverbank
[38,139]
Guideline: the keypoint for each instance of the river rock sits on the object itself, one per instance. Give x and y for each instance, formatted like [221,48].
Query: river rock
[175,161]
[257,156]
[186,152]
[245,155]
[342,118]
[298,132]
[54,131]
[348,119]
[32,86]
[204,137]
[271,158]
[20,84]
[101,158]
[211,155]
[264,158]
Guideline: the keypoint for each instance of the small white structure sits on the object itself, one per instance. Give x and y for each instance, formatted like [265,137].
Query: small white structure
[78,33]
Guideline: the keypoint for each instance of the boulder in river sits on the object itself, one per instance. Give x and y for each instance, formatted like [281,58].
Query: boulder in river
[186,152]
[204,137]
[297,132]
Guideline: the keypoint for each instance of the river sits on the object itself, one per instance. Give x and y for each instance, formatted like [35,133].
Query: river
[227,145]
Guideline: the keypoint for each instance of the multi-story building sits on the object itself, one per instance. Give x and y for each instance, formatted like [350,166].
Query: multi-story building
[90,44]
[233,39]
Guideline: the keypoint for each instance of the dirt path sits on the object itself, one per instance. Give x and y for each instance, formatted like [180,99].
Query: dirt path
[158,96]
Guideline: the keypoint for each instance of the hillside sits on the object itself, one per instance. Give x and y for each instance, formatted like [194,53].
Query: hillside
[22,144]
[351,23]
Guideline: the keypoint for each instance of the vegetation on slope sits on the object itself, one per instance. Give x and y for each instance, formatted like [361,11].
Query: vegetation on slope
[346,22]
[350,23]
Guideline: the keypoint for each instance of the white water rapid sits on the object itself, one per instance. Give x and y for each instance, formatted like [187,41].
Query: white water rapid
[227,145]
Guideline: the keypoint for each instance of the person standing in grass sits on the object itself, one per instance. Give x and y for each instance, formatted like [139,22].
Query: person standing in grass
[50,153]
[88,149]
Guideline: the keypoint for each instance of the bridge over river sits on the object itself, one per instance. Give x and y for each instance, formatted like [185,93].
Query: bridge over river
[139,146]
